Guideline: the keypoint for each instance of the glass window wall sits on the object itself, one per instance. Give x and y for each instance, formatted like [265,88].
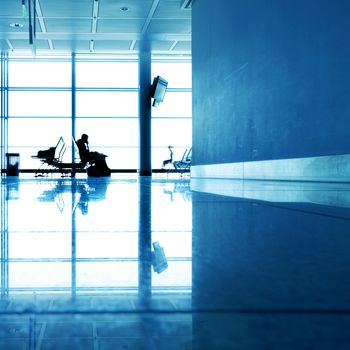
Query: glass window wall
[106,97]
[106,108]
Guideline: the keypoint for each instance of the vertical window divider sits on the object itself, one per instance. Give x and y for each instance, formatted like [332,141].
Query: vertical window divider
[73,222]
[4,109]
[73,107]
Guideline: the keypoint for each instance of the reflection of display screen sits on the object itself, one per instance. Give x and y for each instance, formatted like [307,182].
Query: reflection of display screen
[159,88]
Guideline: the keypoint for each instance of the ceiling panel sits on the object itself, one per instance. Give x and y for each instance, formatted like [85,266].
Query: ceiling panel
[171,9]
[68,26]
[161,45]
[66,8]
[136,8]
[182,26]
[10,8]
[24,44]
[3,45]
[71,45]
[110,46]
[119,25]
[157,45]
[182,46]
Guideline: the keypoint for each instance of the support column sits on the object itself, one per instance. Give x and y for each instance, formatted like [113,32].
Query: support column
[4,111]
[145,114]
[73,110]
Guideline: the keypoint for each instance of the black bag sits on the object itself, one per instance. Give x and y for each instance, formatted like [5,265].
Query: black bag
[47,153]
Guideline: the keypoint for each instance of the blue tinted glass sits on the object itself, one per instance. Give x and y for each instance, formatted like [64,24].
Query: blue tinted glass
[107,74]
[40,103]
[106,104]
[37,73]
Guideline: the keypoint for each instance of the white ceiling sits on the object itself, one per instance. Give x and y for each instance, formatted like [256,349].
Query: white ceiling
[97,26]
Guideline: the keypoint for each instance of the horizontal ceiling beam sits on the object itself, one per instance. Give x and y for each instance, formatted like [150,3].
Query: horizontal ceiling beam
[96,36]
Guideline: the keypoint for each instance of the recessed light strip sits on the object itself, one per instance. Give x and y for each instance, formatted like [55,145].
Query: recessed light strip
[94,17]
[92,44]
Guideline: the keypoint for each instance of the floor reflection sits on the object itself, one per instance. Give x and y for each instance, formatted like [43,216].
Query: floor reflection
[270,274]
[76,264]
[83,190]
[249,265]
[93,236]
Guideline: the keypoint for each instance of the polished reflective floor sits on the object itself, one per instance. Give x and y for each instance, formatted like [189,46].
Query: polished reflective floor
[166,262]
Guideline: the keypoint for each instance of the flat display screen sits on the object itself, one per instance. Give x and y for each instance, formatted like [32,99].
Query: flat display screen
[159,88]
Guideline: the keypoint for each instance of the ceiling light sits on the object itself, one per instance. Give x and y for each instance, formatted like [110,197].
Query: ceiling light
[124,9]
[16,25]
[92,43]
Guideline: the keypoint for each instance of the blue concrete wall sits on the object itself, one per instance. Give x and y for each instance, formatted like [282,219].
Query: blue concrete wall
[271,79]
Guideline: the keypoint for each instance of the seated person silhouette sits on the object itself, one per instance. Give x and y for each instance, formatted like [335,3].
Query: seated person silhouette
[97,161]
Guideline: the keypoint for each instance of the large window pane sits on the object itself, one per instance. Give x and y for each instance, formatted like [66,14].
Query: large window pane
[36,73]
[115,137]
[29,135]
[178,274]
[178,74]
[107,274]
[107,244]
[107,104]
[40,275]
[113,210]
[40,103]
[53,204]
[175,244]
[107,74]
[109,131]
[42,245]
[175,104]
[175,132]
[122,157]
[159,154]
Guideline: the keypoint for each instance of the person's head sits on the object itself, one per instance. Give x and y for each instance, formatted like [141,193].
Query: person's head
[84,137]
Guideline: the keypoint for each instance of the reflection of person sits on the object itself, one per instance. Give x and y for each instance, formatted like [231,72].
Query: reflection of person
[97,160]
[83,204]
[89,190]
